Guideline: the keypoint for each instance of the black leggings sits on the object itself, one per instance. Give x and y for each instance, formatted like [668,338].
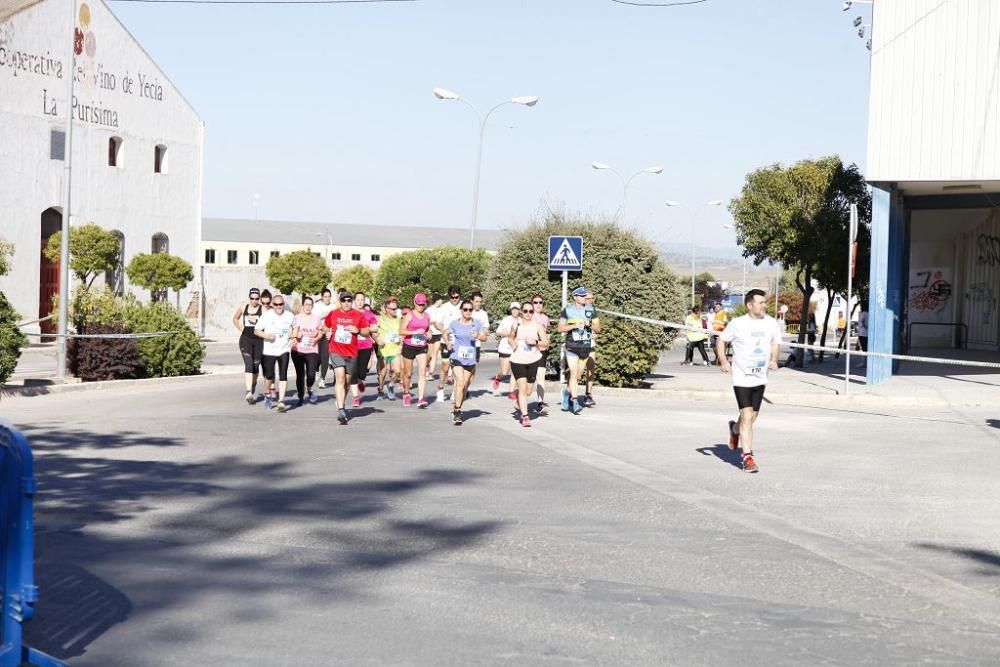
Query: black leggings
[252,350]
[360,370]
[324,356]
[700,346]
[305,371]
[268,365]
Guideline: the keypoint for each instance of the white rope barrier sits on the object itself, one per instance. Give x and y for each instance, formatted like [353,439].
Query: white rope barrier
[814,348]
[43,319]
[151,334]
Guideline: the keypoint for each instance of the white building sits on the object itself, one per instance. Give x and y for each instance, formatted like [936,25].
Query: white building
[136,153]
[934,162]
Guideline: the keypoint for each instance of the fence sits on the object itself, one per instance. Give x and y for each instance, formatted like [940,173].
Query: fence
[18,592]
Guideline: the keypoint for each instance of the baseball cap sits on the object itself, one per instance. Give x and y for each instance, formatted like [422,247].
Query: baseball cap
[344,294]
[513,305]
[254,291]
[420,299]
[581,291]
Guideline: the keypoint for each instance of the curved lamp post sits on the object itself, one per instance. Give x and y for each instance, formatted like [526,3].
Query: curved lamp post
[600,166]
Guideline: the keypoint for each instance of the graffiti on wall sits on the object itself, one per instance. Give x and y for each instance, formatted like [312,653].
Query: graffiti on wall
[989,250]
[984,299]
[930,290]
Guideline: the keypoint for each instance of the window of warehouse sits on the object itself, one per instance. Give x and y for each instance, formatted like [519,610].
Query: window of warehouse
[209,256]
[231,256]
[255,257]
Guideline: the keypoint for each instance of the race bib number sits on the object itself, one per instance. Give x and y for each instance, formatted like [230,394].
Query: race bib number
[467,352]
[343,336]
[419,340]
[392,338]
[306,341]
[581,335]
[525,346]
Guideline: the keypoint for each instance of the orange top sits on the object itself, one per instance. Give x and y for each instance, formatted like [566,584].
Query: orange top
[719,323]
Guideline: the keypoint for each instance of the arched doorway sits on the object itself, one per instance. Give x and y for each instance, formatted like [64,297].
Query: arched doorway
[48,279]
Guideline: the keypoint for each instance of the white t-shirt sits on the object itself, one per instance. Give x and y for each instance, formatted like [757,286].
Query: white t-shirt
[322,309]
[448,313]
[482,319]
[432,311]
[752,341]
[503,330]
[279,325]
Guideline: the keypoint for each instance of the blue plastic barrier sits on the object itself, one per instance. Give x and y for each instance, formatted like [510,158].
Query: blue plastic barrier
[18,592]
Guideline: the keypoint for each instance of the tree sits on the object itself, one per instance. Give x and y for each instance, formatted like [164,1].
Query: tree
[788,214]
[357,278]
[705,286]
[159,272]
[11,338]
[92,251]
[624,271]
[300,271]
[6,254]
[431,270]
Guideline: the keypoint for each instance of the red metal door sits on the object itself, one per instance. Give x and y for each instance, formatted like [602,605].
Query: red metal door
[48,282]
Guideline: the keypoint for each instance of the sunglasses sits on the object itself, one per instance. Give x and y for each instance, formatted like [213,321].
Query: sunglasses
[266,303]
[255,298]
[278,304]
[526,311]
[346,299]
[466,310]
[537,302]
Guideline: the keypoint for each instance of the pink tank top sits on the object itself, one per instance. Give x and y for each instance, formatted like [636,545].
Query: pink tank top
[419,323]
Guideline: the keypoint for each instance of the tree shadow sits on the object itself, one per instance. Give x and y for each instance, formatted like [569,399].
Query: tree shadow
[989,559]
[994,423]
[723,453]
[199,534]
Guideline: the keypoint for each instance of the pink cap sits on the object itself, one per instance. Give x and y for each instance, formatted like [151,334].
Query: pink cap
[420,299]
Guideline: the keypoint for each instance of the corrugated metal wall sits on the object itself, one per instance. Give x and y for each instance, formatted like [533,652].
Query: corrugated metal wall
[935,91]
[981,284]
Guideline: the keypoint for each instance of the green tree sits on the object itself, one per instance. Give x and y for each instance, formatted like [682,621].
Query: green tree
[6,254]
[300,271]
[431,270]
[11,339]
[180,353]
[624,271]
[706,288]
[784,214]
[92,251]
[158,272]
[357,278]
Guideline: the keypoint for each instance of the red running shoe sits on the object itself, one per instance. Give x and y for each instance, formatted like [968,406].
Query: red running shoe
[356,402]
[361,386]
[734,435]
[749,465]
[512,395]
[526,421]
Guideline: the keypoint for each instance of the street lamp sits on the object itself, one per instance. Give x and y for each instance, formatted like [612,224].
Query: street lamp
[744,290]
[329,247]
[694,219]
[600,166]
[445,94]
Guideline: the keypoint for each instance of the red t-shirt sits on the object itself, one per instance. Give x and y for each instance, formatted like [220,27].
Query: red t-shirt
[343,342]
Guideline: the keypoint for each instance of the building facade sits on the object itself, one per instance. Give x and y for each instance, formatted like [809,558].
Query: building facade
[136,145]
[934,164]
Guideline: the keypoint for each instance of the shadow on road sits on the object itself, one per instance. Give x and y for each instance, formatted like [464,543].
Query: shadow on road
[723,453]
[213,529]
[991,559]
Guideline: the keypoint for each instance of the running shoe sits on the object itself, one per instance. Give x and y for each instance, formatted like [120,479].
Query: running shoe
[281,406]
[543,406]
[361,386]
[429,376]
[512,395]
[392,393]
[496,386]
[450,380]
[299,403]
[565,401]
[749,465]
[342,417]
[268,403]
[321,383]
[356,402]
[456,418]
[577,407]
[589,402]
[312,397]
[439,396]
[422,403]
[734,435]
[407,400]
[380,396]
[249,398]
[526,421]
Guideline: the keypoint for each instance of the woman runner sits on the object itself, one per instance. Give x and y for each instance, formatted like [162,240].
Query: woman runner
[390,345]
[414,328]
[461,336]
[305,350]
[504,349]
[251,347]
[526,337]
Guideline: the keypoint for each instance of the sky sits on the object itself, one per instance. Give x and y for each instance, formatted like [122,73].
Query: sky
[326,112]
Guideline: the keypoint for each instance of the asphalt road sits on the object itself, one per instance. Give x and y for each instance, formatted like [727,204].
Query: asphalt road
[179,526]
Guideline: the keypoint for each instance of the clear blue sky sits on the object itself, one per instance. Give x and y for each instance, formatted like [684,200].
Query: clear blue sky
[326,112]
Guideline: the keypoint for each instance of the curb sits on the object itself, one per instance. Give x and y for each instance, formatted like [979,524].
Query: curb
[55,389]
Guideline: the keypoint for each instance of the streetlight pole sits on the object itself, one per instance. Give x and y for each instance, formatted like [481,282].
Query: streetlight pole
[744,287]
[444,94]
[61,357]
[694,220]
[626,182]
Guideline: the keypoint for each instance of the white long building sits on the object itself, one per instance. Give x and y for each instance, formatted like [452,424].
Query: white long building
[136,144]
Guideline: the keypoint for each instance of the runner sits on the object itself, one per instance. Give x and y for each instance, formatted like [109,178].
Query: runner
[542,320]
[251,347]
[390,347]
[365,348]
[756,344]
[322,309]
[445,314]
[414,328]
[305,350]
[504,349]
[579,322]
[526,337]
[275,327]
[480,316]
[344,325]
[591,364]
[461,337]
[434,344]
[720,318]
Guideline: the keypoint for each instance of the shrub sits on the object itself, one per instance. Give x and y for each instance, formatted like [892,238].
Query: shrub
[625,273]
[11,339]
[180,353]
[159,272]
[299,272]
[358,278]
[92,251]
[95,359]
[96,306]
[431,270]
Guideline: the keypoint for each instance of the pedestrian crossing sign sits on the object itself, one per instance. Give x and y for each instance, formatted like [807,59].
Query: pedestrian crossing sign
[565,253]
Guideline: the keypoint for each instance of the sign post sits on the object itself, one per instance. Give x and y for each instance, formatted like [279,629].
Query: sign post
[565,254]
[851,246]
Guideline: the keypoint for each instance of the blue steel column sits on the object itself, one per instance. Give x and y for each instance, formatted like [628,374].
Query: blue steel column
[888,254]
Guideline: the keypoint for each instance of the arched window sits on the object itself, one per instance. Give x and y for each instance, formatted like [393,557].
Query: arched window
[160,159]
[115,278]
[161,243]
[115,152]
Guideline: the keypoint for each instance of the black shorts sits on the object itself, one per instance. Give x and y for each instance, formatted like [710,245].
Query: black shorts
[410,352]
[282,362]
[435,338]
[749,397]
[504,355]
[252,351]
[525,371]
